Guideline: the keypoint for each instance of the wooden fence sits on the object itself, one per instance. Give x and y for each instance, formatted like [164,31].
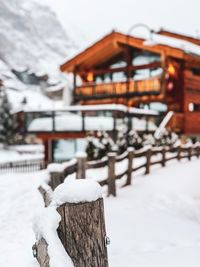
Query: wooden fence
[166,154]
[82,227]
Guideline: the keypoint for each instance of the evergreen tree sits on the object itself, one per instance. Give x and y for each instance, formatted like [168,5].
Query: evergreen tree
[8,121]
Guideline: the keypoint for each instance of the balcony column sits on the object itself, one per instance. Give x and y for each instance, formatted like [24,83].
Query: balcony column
[74,83]
[128,60]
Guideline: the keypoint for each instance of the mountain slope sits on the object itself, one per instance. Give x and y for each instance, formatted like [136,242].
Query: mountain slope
[32,42]
[31,36]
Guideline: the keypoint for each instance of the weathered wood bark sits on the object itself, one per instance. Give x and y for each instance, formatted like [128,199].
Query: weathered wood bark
[111,174]
[130,166]
[81,167]
[56,178]
[148,161]
[163,157]
[45,195]
[82,232]
[40,251]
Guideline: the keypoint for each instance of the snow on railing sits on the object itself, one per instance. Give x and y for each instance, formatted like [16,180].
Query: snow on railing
[159,131]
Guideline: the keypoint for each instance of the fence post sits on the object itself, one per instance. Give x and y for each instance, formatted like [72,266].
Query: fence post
[179,153]
[82,232]
[148,162]
[81,165]
[111,174]
[130,165]
[198,150]
[56,178]
[190,152]
[163,157]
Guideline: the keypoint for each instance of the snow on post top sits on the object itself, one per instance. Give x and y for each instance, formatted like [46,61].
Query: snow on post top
[55,167]
[60,167]
[81,154]
[77,191]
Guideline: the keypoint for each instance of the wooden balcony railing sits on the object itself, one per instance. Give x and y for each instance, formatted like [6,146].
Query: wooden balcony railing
[151,86]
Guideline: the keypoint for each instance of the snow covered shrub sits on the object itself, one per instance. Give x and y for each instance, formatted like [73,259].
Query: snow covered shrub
[134,140]
[98,146]
[106,144]
[167,139]
[148,139]
[121,142]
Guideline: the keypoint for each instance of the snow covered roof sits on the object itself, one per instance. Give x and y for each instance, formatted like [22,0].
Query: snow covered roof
[186,46]
[111,45]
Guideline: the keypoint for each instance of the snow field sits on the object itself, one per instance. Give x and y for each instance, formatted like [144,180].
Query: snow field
[155,222]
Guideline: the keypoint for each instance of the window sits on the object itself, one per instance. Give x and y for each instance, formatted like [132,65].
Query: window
[67,149]
[193,107]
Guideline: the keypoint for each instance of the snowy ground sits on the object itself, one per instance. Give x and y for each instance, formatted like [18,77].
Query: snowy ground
[154,222]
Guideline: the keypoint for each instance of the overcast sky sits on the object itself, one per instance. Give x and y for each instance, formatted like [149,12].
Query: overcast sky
[91,19]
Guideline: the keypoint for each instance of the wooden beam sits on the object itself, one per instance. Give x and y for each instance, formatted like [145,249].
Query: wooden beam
[122,69]
[64,135]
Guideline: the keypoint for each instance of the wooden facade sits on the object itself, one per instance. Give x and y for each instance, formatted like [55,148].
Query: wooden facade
[123,69]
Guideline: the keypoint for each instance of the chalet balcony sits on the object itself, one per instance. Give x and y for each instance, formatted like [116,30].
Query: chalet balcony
[132,88]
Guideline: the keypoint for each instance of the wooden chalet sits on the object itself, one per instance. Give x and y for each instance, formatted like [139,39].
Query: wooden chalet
[124,69]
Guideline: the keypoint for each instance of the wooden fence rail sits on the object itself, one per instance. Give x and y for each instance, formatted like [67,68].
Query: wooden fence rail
[166,154]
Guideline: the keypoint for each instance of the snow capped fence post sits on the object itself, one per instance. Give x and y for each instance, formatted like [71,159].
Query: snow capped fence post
[81,165]
[71,231]
[56,175]
[130,165]
[82,226]
[111,174]
[148,161]
[163,157]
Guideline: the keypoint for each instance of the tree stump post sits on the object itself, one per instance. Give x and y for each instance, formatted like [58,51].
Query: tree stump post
[179,153]
[130,165]
[82,233]
[163,157]
[81,165]
[56,178]
[148,161]
[111,174]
